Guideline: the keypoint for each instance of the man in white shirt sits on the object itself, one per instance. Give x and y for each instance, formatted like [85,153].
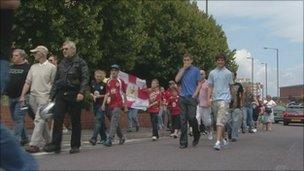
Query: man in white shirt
[39,81]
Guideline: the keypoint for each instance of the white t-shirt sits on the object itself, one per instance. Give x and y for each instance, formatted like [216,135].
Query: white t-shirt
[270,104]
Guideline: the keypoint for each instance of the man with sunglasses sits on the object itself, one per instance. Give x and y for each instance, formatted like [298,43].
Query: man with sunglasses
[189,77]
[70,84]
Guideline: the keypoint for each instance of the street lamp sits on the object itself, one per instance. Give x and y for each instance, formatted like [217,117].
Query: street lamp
[207,7]
[264,63]
[277,53]
[252,71]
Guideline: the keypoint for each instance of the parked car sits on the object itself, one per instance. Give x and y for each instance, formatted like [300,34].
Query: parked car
[278,113]
[293,114]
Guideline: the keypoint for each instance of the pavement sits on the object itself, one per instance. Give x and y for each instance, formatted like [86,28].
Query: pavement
[281,149]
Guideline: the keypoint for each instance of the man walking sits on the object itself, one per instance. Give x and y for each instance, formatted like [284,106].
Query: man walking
[203,115]
[115,98]
[188,76]
[39,81]
[235,111]
[17,75]
[71,81]
[220,80]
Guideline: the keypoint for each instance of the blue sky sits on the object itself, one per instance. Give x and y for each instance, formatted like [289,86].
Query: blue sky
[252,25]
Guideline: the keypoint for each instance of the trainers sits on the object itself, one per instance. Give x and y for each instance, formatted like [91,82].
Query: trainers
[74,150]
[102,141]
[108,143]
[217,146]
[121,141]
[93,141]
[33,149]
[175,135]
[225,142]
[51,148]
[154,138]
[171,135]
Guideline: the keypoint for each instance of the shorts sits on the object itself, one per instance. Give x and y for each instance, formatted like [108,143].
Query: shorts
[204,114]
[220,110]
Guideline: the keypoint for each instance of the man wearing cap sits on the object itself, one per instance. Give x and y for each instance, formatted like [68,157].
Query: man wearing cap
[116,100]
[70,84]
[39,81]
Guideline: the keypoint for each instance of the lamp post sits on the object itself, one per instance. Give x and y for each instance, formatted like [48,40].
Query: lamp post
[252,71]
[277,54]
[207,7]
[264,63]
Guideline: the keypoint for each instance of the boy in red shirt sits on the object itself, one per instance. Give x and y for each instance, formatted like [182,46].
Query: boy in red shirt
[115,98]
[173,104]
[154,107]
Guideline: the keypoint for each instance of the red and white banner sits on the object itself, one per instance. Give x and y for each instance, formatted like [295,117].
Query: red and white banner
[137,97]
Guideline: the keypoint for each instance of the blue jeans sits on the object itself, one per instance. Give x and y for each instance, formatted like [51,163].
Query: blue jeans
[247,120]
[235,118]
[132,118]
[12,156]
[18,118]
[188,114]
[99,124]
[4,74]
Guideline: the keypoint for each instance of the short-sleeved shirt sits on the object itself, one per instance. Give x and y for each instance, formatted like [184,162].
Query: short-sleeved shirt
[101,89]
[41,78]
[237,90]
[203,92]
[17,76]
[115,89]
[173,105]
[154,95]
[248,99]
[189,81]
[220,79]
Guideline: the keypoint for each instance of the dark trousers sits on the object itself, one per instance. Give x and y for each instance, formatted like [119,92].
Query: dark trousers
[175,122]
[154,121]
[62,106]
[99,124]
[188,114]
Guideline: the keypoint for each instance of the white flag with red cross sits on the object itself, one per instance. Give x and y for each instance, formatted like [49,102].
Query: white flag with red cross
[137,96]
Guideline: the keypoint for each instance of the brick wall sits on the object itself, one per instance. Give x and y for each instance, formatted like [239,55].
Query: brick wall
[87,119]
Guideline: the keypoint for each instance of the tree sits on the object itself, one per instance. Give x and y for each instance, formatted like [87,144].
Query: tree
[147,38]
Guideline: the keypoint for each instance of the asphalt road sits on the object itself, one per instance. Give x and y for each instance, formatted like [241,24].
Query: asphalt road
[281,149]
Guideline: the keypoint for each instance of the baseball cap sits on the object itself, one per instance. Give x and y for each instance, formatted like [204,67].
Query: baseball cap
[41,49]
[115,66]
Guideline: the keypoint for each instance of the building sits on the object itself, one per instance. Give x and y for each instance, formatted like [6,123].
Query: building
[290,93]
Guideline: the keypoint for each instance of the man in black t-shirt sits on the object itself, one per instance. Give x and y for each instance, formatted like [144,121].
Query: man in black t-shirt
[235,111]
[98,91]
[17,75]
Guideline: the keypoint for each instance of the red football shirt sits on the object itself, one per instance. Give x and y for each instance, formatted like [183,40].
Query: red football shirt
[154,95]
[173,105]
[115,90]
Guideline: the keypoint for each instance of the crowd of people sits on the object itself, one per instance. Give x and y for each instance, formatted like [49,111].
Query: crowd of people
[195,103]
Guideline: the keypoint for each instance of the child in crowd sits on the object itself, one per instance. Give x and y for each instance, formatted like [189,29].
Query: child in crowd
[98,91]
[173,105]
[154,107]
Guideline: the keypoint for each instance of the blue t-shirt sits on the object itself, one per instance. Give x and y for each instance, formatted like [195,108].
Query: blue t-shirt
[220,79]
[189,81]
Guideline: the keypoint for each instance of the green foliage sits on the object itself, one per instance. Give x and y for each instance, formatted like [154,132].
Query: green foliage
[147,38]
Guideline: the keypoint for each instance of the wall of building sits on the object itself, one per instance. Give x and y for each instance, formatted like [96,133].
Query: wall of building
[296,91]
